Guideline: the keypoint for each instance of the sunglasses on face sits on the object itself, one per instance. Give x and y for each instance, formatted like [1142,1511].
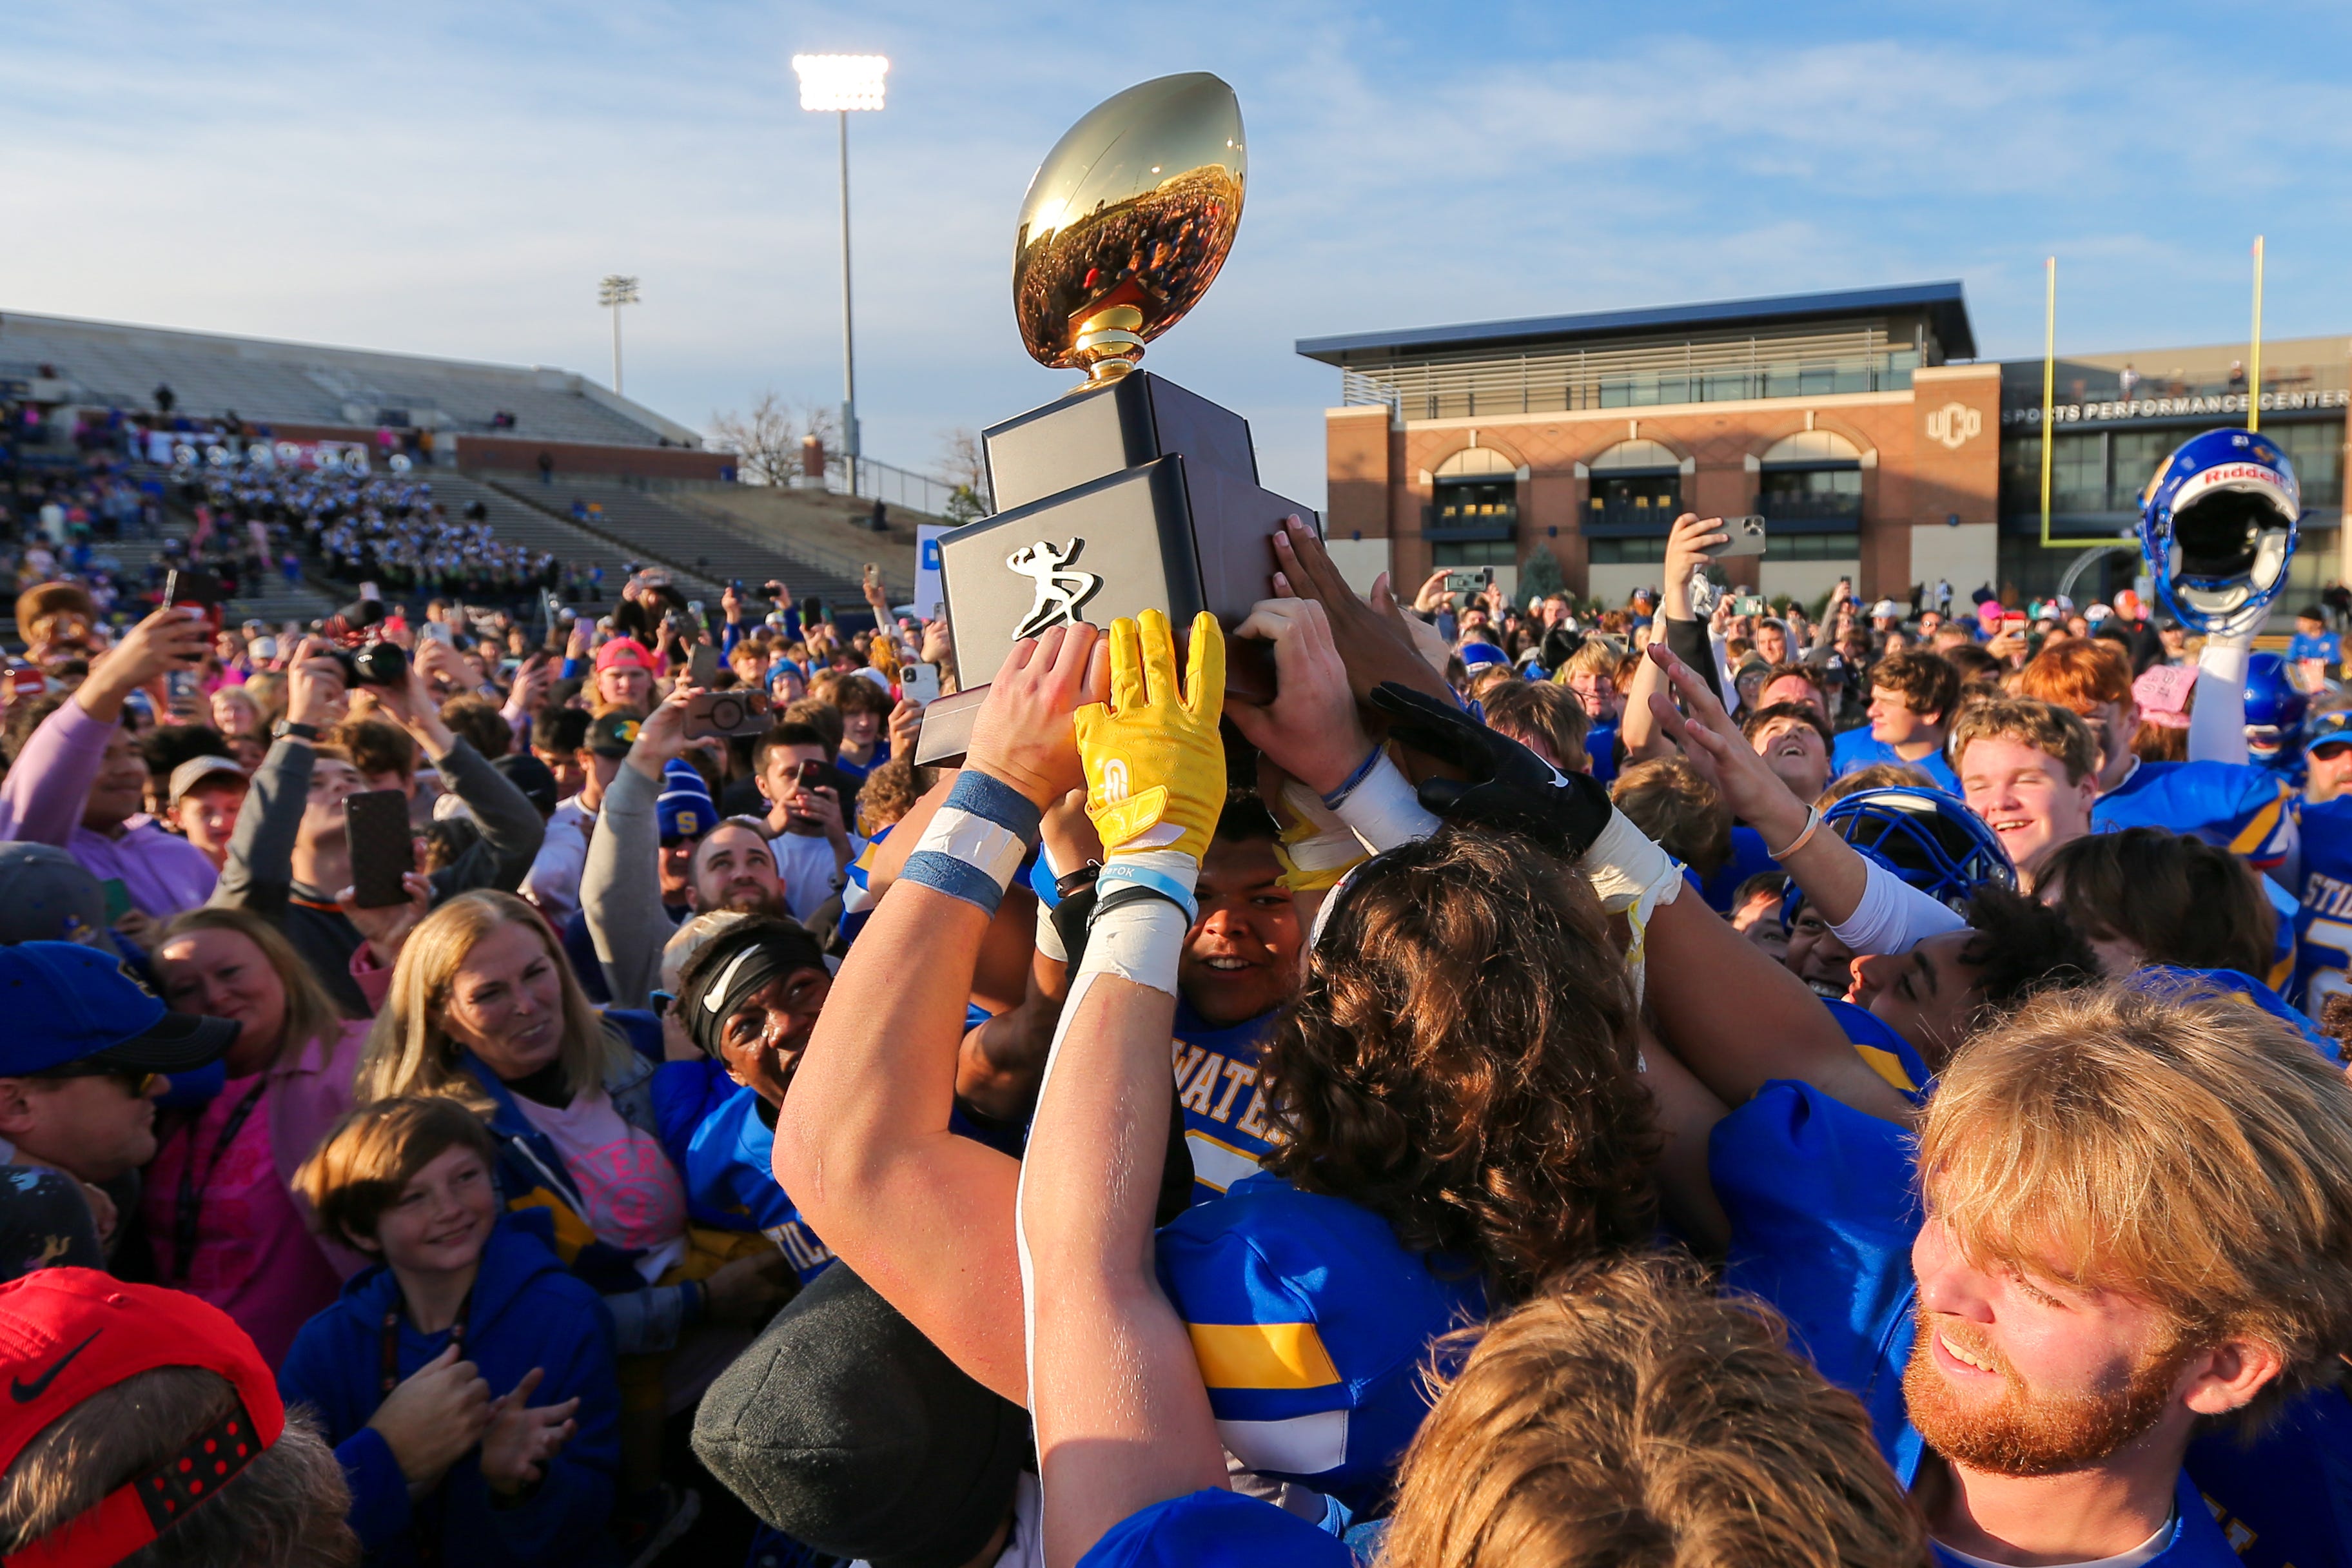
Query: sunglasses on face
[138,1084]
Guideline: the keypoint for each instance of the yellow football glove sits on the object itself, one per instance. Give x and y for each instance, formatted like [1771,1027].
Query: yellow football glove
[1155,764]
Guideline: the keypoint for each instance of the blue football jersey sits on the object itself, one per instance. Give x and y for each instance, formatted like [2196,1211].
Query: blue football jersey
[1224,1105]
[1312,1324]
[729,1163]
[2164,977]
[1890,1055]
[1215,1529]
[2323,920]
[2243,809]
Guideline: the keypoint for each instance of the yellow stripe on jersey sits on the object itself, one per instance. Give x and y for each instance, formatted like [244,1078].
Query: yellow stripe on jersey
[1262,1356]
[1886,1064]
[2259,830]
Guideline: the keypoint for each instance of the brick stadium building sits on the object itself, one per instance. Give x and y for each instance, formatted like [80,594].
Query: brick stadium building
[1860,423]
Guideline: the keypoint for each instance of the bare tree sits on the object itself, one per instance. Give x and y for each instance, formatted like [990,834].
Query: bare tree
[963,465]
[770,438]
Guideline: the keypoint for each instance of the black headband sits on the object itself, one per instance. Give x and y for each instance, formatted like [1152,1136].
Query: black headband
[738,965]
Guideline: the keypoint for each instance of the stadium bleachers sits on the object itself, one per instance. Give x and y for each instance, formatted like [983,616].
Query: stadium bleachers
[701,552]
[277,383]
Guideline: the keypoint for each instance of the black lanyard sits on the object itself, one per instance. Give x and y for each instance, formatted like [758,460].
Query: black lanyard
[425,1512]
[189,1210]
[391,1316]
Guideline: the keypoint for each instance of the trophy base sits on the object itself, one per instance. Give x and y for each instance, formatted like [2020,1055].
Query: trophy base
[945,734]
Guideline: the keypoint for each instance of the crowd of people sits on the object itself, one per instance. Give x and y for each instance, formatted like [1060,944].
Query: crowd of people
[1669,1086]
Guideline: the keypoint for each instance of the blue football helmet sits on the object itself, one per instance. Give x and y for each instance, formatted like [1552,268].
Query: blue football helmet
[2217,526]
[1927,836]
[2276,708]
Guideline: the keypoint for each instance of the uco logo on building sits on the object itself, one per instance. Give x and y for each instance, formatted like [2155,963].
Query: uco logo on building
[1953,423]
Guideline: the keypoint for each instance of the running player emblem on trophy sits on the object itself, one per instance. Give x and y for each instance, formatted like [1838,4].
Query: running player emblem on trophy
[1059,593]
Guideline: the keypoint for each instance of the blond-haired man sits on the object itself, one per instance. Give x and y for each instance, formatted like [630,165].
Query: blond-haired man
[2124,1221]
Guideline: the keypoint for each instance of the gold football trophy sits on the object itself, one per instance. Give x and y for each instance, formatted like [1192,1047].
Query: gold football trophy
[1126,222]
[1127,494]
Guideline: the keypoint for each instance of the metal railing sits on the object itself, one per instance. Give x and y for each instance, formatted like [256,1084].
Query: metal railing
[1496,517]
[1731,369]
[1659,515]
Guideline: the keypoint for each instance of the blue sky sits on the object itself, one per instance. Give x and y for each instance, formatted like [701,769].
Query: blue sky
[452,179]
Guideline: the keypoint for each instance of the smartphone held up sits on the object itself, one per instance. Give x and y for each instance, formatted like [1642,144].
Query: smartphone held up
[376,825]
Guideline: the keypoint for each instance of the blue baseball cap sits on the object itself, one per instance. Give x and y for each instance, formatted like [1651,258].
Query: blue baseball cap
[1476,655]
[2333,728]
[71,1005]
[685,809]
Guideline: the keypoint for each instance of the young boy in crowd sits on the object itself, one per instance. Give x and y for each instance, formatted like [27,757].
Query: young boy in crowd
[467,1382]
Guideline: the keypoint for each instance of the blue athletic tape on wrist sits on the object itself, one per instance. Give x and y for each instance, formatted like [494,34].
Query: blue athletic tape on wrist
[1120,873]
[1363,770]
[975,844]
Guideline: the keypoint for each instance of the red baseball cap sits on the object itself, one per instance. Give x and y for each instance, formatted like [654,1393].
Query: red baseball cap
[625,653]
[69,1333]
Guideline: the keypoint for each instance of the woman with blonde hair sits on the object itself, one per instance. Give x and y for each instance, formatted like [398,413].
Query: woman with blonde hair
[483,1007]
[222,1214]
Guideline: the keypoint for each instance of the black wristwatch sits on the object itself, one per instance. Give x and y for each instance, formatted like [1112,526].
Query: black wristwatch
[285,727]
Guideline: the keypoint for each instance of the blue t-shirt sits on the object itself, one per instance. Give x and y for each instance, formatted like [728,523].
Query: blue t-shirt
[1312,1325]
[1224,1105]
[2241,808]
[1823,1211]
[1857,749]
[730,1164]
[2326,645]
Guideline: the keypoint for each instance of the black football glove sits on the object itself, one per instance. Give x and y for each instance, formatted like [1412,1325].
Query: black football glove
[1509,787]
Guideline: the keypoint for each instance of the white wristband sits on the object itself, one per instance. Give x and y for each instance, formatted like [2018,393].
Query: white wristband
[1049,935]
[1623,864]
[1140,941]
[1384,810]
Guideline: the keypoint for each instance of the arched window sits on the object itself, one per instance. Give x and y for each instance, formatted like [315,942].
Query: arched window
[1474,509]
[1475,462]
[1637,487]
[1813,480]
[1636,454]
[1813,446]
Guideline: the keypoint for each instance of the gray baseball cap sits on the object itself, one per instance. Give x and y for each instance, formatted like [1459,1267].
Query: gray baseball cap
[46,895]
[196,770]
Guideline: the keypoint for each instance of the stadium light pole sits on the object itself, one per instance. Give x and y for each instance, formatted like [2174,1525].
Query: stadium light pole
[839,83]
[616,291]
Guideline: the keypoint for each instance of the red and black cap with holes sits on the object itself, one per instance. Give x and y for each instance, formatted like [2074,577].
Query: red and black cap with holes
[69,1333]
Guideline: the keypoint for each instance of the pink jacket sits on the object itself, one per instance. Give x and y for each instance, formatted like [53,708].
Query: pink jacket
[309,1090]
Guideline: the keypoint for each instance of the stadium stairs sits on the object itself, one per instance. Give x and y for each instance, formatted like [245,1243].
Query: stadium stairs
[704,542]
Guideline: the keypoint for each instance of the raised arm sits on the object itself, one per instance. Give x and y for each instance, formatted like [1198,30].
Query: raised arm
[513,829]
[861,1145]
[2216,720]
[620,884]
[259,872]
[1123,1419]
[41,800]
[1687,546]
[1871,909]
